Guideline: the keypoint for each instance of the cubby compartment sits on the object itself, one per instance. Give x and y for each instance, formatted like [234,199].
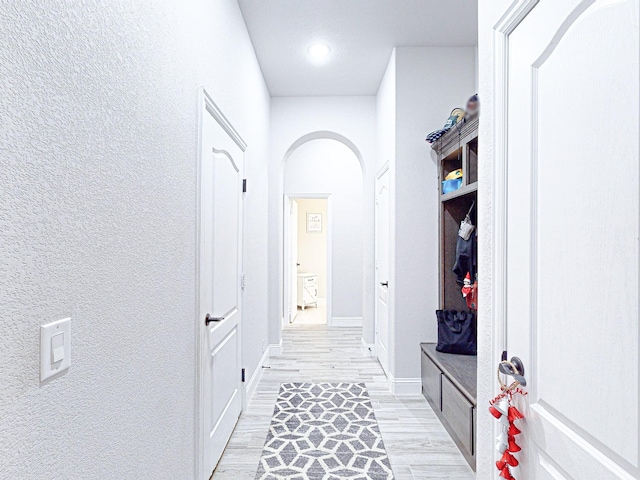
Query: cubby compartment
[451,162]
[453,212]
[472,161]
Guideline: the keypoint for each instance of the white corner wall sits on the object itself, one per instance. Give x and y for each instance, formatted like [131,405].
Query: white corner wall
[97,214]
[386,116]
[429,82]
[329,167]
[295,121]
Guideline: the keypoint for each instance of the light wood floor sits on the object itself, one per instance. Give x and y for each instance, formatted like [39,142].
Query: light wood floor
[418,445]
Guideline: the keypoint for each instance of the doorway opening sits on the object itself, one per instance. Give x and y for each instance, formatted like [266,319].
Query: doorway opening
[308,245]
[331,167]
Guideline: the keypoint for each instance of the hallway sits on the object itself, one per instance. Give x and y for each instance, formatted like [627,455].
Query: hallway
[418,445]
[311,316]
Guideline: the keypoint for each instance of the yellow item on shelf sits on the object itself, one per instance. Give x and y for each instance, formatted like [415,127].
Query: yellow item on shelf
[455,174]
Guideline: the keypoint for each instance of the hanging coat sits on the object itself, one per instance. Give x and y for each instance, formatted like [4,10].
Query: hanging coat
[465,259]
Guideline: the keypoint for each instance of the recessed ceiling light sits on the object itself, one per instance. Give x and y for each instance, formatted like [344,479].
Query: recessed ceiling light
[319,52]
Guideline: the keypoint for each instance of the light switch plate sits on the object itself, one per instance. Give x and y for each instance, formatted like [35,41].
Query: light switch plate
[55,348]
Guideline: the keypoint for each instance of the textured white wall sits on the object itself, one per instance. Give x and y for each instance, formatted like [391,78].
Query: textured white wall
[293,118]
[312,247]
[98,149]
[328,166]
[386,115]
[429,83]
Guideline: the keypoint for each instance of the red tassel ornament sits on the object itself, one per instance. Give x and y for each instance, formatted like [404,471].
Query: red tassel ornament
[506,414]
[505,473]
[513,430]
[513,446]
[514,414]
[502,406]
[509,459]
[495,412]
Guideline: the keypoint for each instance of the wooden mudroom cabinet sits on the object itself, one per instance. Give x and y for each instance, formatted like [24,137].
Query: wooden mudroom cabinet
[449,380]
[449,385]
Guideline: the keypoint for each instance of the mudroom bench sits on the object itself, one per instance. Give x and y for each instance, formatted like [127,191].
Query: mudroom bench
[449,385]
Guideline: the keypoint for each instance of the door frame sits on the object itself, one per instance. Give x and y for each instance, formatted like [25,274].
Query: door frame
[384,169]
[492,218]
[205,102]
[286,299]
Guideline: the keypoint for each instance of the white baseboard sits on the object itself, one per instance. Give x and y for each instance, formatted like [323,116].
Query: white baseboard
[275,349]
[368,349]
[257,375]
[405,386]
[346,321]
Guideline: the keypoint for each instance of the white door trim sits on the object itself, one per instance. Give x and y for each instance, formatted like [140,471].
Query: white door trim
[492,214]
[287,238]
[205,102]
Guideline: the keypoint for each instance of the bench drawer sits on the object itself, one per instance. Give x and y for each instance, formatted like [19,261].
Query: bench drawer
[458,413]
[431,382]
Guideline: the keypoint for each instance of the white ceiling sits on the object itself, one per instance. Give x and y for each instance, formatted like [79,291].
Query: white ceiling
[361,34]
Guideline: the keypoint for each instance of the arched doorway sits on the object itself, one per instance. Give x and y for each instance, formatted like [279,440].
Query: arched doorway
[324,167]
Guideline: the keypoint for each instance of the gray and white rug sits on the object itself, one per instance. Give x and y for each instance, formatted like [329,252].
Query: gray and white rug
[324,431]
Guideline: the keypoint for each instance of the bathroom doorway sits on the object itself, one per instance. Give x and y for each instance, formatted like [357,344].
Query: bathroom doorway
[307,260]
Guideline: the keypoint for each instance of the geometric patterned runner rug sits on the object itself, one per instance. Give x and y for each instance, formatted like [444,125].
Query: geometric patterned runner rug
[324,431]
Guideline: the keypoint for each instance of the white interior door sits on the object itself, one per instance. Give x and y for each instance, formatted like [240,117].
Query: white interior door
[293,261]
[220,287]
[382,269]
[572,209]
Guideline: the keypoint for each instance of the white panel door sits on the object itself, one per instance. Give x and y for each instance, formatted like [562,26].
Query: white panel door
[220,287]
[293,261]
[571,223]
[382,270]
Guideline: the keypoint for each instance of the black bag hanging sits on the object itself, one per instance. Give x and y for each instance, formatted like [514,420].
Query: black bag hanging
[456,332]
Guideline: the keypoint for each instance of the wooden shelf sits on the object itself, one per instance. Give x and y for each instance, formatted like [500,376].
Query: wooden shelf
[456,136]
[462,191]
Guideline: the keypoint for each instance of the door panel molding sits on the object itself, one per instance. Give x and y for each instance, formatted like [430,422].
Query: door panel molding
[224,410]
[514,15]
[217,114]
[228,155]
[227,338]
[562,439]
[585,444]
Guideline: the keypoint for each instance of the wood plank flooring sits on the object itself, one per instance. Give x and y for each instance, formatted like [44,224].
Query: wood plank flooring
[418,445]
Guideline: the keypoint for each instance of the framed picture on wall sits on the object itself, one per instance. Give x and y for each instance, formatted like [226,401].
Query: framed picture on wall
[314,223]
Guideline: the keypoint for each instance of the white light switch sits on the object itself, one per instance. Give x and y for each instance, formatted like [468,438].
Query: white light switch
[55,348]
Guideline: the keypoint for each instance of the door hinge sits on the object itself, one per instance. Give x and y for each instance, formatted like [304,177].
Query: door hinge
[243,375]
[243,281]
[244,185]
